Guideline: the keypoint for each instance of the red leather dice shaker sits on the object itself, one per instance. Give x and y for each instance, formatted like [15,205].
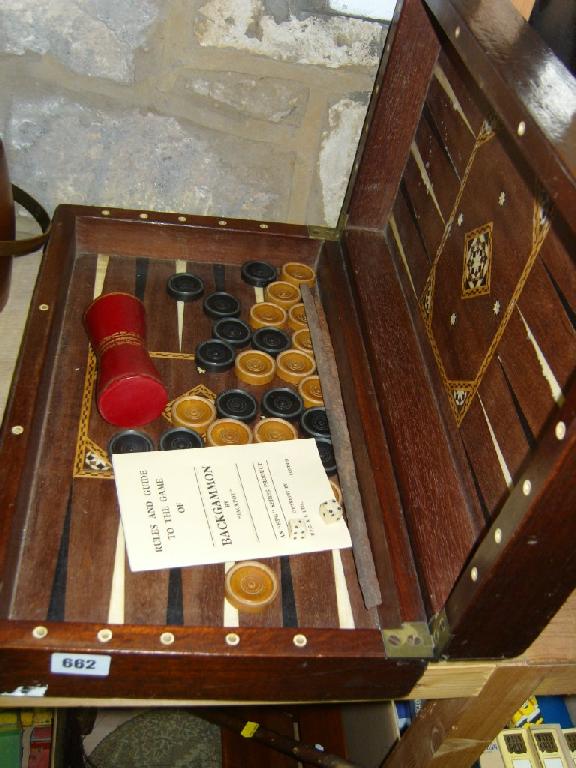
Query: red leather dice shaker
[129,391]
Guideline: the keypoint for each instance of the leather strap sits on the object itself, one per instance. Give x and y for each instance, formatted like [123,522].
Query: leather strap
[29,244]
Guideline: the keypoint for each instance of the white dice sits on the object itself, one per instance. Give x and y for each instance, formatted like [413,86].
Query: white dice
[331,511]
[297,528]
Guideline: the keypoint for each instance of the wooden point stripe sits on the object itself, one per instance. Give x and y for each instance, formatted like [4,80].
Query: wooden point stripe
[180,267]
[118,590]
[345,614]
[440,75]
[426,178]
[547,372]
[231,618]
[499,454]
[259,294]
[101,269]
[396,233]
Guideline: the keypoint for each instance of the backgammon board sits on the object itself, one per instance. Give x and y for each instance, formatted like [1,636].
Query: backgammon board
[442,324]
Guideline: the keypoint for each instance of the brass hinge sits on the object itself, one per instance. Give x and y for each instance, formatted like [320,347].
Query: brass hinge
[411,640]
[440,630]
[323,233]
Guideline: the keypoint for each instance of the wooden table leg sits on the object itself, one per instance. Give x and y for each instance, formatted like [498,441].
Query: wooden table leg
[452,733]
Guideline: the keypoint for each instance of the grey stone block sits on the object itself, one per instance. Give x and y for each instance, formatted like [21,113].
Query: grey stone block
[264,98]
[92,37]
[66,152]
[329,41]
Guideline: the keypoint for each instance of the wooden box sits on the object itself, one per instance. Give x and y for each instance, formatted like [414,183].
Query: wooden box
[443,326]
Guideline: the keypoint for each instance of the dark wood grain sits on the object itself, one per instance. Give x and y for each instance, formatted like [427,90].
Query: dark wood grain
[407,241]
[453,111]
[393,558]
[483,458]
[440,519]
[523,580]
[505,420]
[523,81]
[49,498]
[161,236]
[409,56]
[199,665]
[524,374]
[27,400]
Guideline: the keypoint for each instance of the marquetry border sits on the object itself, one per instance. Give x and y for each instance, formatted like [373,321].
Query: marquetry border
[91,459]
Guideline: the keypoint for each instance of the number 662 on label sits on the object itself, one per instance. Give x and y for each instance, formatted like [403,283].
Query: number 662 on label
[96,665]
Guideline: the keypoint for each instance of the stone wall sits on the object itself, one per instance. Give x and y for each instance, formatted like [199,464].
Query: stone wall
[239,108]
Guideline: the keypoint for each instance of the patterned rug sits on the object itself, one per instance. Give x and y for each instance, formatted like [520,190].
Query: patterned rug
[160,739]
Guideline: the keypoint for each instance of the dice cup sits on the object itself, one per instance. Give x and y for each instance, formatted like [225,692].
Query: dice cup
[129,391]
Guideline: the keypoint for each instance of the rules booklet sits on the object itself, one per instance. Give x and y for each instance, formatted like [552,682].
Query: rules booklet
[214,505]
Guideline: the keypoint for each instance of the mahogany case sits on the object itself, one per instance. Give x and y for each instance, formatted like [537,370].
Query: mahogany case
[443,327]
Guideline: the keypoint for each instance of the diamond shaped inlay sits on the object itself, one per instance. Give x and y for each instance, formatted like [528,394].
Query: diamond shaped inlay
[477,262]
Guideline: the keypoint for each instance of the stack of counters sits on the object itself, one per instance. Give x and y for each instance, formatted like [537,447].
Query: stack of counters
[184,286]
[283,294]
[221,304]
[302,340]
[179,438]
[293,365]
[282,403]
[267,315]
[310,390]
[228,432]
[271,340]
[274,430]
[258,273]
[326,451]
[297,318]
[236,404]
[233,330]
[298,274]
[214,355]
[130,441]
[193,412]
[314,422]
[255,367]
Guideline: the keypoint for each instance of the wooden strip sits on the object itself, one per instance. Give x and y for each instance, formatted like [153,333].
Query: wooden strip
[116,605]
[479,447]
[455,113]
[125,233]
[432,223]
[54,457]
[454,732]
[393,557]
[363,618]
[314,590]
[93,536]
[407,242]
[345,615]
[414,424]
[411,51]
[443,179]
[557,254]
[497,401]
[342,449]
[524,374]
[203,595]
[547,320]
